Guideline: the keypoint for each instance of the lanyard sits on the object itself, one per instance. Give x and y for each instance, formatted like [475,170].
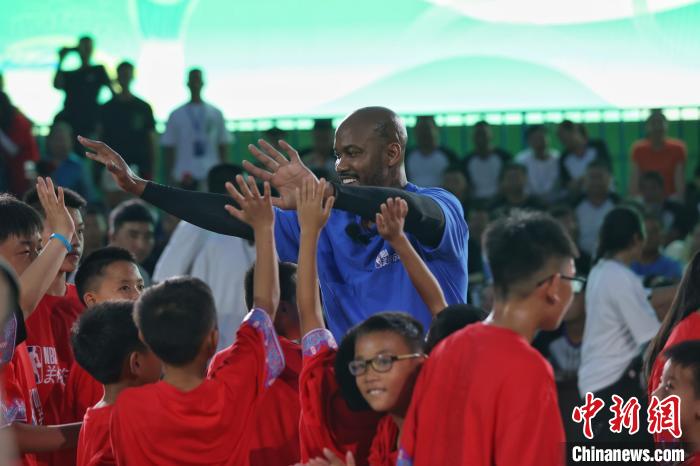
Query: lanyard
[197,122]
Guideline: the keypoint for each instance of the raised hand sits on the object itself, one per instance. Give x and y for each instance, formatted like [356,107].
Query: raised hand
[125,178]
[254,209]
[390,221]
[57,215]
[311,211]
[286,175]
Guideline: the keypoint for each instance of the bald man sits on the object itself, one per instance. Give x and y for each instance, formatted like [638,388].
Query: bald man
[359,273]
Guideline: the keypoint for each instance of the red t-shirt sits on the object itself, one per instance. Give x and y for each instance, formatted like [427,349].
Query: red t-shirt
[20,399]
[209,425]
[383,451]
[94,448]
[82,392]
[663,160]
[20,133]
[484,397]
[693,460]
[326,419]
[48,343]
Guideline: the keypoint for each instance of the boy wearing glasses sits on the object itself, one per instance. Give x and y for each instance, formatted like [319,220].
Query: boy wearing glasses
[486,396]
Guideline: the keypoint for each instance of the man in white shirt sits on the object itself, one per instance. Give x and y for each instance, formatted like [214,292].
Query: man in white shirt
[426,164]
[542,163]
[596,203]
[195,137]
[484,164]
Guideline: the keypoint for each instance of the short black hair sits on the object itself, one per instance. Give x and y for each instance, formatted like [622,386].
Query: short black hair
[654,177]
[174,317]
[125,64]
[451,319]
[620,226]
[288,284]
[685,354]
[512,166]
[532,129]
[482,123]
[519,245]
[220,174]
[72,199]
[103,337]
[93,266]
[323,124]
[132,210]
[400,323]
[17,218]
[598,163]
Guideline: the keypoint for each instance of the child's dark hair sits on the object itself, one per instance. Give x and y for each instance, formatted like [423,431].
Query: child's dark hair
[72,199]
[519,245]
[620,227]
[17,218]
[220,174]
[686,302]
[685,354]
[93,266]
[132,210]
[288,284]
[174,318]
[103,337]
[451,319]
[404,325]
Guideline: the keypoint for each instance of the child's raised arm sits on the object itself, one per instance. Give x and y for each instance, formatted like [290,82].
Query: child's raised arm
[256,210]
[390,222]
[36,279]
[312,215]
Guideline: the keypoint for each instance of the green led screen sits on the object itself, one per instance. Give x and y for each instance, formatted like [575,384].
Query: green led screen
[274,58]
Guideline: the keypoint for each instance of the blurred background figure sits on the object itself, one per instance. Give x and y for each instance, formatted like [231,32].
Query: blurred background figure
[17,147]
[484,164]
[132,227]
[195,137]
[427,162]
[596,202]
[321,154]
[578,151]
[653,266]
[542,164]
[82,88]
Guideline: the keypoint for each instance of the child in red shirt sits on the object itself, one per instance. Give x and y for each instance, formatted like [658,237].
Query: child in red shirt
[188,418]
[276,432]
[681,377]
[20,242]
[107,346]
[486,396]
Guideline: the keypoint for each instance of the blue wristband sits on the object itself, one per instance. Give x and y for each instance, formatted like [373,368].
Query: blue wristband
[62,239]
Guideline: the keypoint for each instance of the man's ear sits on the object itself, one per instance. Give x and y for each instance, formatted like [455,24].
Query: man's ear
[394,154]
[211,342]
[90,299]
[134,364]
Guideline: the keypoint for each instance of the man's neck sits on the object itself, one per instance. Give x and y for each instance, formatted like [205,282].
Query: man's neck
[541,154]
[657,142]
[58,286]
[112,390]
[185,378]
[579,148]
[125,94]
[196,99]
[649,257]
[626,257]
[483,152]
[597,200]
[426,150]
[516,199]
[516,316]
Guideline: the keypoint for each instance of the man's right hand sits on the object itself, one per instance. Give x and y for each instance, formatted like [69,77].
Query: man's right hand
[125,178]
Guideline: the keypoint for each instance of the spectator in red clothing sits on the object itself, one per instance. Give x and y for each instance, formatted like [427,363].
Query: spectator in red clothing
[659,153]
[17,146]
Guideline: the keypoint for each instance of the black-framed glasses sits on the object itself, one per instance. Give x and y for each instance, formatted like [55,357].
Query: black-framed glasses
[380,363]
[577,283]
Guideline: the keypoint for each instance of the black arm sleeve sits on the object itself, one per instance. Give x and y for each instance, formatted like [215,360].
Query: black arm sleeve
[204,210]
[425,218]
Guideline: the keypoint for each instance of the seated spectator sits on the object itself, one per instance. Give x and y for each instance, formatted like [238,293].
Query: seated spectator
[577,153]
[66,168]
[659,153]
[131,226]
[321,155]
[653,266]
[513,194]
[273,136]
[567,218]
[455,182]
[17,146]
[483,166]
[597,201]
[675,220]
[684,250]
[427,162]
[95,236]
[542,163]
[692,195]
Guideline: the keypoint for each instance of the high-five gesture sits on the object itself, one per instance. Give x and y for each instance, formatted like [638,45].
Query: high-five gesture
[390,220]
[286,175]
[311,211]
[255,209]
[57,216]
[125,178]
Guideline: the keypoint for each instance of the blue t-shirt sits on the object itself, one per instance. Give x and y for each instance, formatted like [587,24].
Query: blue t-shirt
[663,267]
[359,280]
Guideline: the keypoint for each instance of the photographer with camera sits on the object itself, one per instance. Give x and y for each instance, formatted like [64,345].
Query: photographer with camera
[82,87]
